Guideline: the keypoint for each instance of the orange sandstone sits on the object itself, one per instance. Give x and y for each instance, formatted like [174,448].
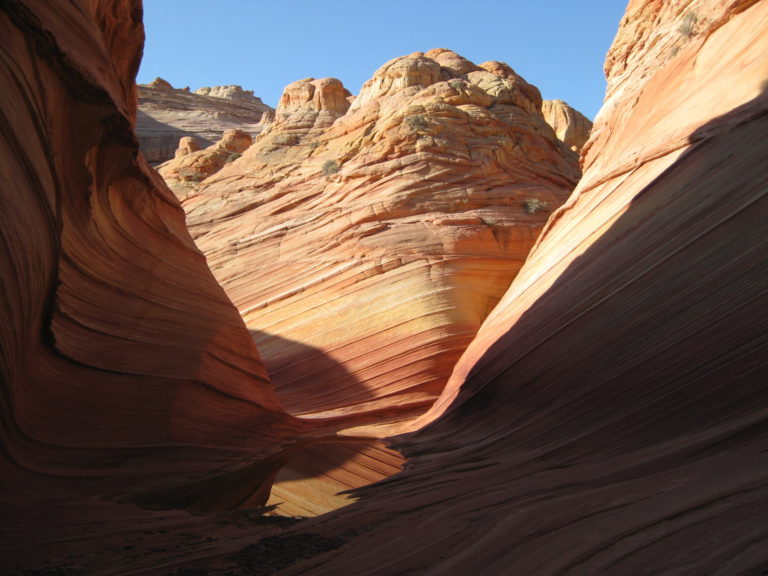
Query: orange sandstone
[380,234]
[570,125]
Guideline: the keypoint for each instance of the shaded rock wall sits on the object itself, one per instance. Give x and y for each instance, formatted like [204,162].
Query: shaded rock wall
[124,368]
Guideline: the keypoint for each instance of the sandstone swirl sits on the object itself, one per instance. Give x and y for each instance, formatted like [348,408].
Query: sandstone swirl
[611,416]
[365,243]
[125,371]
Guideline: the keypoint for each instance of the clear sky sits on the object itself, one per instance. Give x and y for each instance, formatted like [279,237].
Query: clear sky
[558,45]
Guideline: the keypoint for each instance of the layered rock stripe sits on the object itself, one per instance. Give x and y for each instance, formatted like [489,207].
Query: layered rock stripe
[609,416]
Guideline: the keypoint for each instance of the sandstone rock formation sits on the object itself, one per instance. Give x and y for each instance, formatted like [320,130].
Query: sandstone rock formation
[381,234]
[191,165]
[355,238]
[231,91]
[610,417]
[570,125]
[167,114]
[125,372]
[127,376]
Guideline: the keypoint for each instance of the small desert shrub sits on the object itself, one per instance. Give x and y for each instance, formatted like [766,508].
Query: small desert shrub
[190,175]
[417,122]
[533,205]
[688,25]
[330,167]
[285,139]
[456,84]
[232,157]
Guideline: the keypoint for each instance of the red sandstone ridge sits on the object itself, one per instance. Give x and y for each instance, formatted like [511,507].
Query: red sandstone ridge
[610,417]
[167,114]
[125,372]
[364,244]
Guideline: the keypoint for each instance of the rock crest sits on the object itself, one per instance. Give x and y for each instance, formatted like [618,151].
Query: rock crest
[232,92]
[570,125]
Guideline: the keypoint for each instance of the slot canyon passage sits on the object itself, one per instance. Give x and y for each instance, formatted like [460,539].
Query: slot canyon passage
[526,344]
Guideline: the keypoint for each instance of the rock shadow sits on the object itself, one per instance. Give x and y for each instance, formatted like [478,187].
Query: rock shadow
[307,380]
[657,334]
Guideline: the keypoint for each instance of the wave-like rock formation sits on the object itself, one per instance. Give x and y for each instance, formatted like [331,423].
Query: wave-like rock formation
[365,239]
[125,372]
[129,381]
[611,416]
[380,233]
[167,114]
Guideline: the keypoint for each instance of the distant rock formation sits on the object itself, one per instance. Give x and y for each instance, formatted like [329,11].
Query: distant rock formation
[167,114]
[570,125]
[231,91]
[191,164]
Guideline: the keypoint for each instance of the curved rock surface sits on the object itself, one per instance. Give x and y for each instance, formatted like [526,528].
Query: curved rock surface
[167,114]
[610,417]
[125,372]
[570,125]
[381,233]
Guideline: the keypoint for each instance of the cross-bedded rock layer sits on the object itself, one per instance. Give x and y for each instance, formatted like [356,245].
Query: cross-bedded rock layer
[609,417]
[380,233]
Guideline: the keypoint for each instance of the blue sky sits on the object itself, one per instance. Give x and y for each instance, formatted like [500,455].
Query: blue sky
[557,45]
